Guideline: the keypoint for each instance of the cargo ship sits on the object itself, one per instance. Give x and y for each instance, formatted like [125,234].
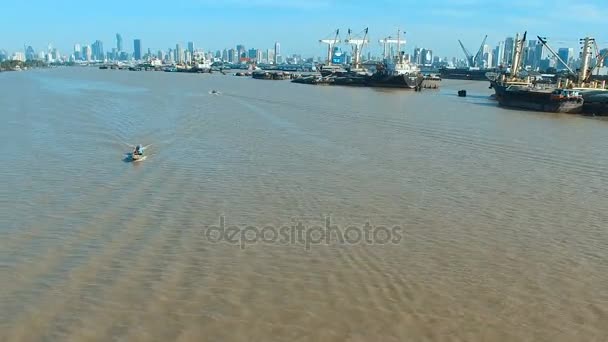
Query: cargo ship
[544,100]
[472,74]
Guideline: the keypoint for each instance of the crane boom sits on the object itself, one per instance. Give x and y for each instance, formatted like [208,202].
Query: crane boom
[544,42]
[331,43]
[467,54]
[357,46]
[479,54]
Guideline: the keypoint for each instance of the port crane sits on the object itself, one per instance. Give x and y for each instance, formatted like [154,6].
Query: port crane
[390,40]
[474,61]
[330,45]
[357,47]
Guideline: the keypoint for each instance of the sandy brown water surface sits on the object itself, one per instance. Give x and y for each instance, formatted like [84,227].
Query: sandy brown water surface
[497,219]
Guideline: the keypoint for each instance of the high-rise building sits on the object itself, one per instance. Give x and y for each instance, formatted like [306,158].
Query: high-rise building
[233,56]
[488,56]
[77,52]
[270,56]
[179,54]
[417,55]
[3,55]
[602,62]
[171,55]
[118,42]
[191,48]
[30,54]
[508,55]
[240,50]
[159,55]
[277,53]
[259,56]
[97,52]
[566,54]
[86,53]
[137,50]
[218,54]
[252,53]
[225,55]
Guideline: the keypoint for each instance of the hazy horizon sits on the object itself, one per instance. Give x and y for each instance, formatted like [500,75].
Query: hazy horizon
[297,25]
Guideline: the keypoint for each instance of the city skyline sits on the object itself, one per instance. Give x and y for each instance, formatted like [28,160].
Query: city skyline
[261,23]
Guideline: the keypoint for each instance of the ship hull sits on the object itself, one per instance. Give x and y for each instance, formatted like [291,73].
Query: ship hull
[465,74]
[539,101]
[596,103]
[399,81]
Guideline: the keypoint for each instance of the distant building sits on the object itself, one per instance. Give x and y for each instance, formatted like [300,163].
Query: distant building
[232,56]
[277,53]
[191,48]
[426,57]
[137,50]
[252,53]
[179,54]
[159,55]
[240,50]
[509,46]
[77,52]
[225,55]
[119,42]
[417,56]
[499,54]
[87,53]
[566,54]
[270,56]
[18,56]
[3,55]
[30,54]
[97,48]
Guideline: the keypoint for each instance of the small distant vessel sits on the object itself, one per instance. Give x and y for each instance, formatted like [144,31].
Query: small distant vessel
[137,154]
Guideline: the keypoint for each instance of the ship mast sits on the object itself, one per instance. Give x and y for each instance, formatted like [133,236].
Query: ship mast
[357,47]
[517,53]
[330,45]
[586,59]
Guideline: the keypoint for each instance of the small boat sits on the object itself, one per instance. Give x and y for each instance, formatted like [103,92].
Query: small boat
[137,154]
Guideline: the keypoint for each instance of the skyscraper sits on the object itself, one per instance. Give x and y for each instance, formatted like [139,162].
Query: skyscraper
[509,46]
[277,52]
[30,54]
[488,56]
[137,49]
[225,55]
[97,52]
[86,53]
[252,53]
[191,48]
[566,54]
[118,43]
[179,54]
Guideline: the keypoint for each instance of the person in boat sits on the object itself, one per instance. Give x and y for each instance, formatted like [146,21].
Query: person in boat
[137,150]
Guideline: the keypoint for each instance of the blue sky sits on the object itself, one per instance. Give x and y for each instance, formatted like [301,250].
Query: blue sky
[297,25]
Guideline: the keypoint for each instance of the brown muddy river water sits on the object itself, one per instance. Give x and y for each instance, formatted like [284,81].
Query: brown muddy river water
[450,219]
